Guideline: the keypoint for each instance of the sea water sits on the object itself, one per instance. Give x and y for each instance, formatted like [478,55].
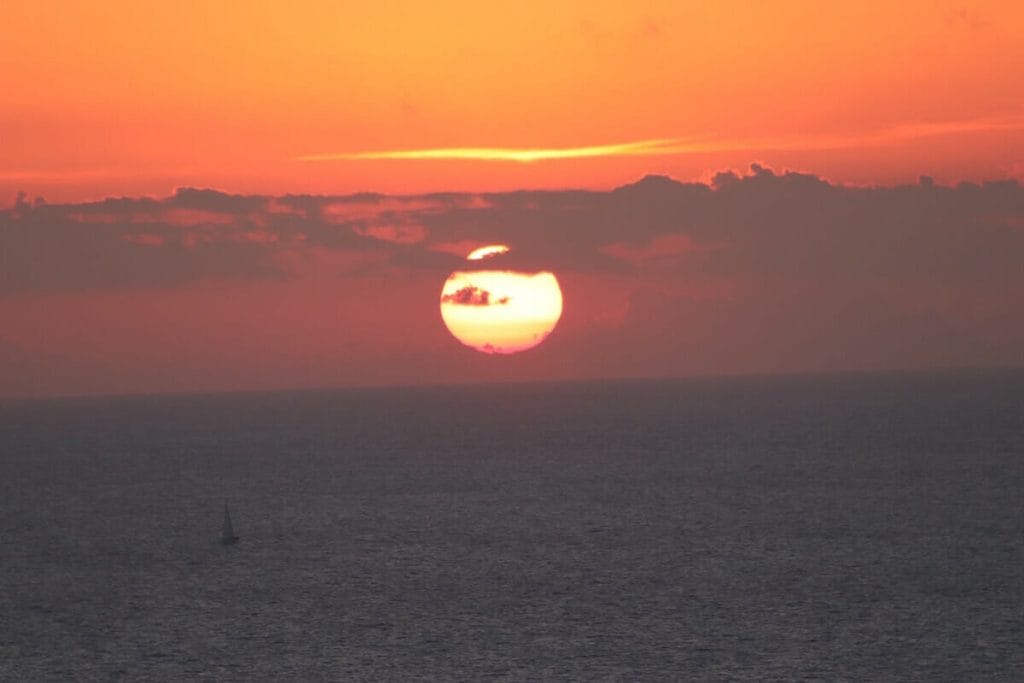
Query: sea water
[836,527]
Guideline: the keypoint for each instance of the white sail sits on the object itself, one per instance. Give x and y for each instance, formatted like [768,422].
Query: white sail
[228,533]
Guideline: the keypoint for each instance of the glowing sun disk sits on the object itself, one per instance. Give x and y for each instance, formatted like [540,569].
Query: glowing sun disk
[500,311]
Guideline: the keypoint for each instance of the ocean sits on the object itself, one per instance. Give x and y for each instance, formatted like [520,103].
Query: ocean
[857,527]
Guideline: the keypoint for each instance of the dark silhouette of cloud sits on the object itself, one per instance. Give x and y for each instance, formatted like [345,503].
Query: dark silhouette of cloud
[472,296]
[754,271]
[788,225]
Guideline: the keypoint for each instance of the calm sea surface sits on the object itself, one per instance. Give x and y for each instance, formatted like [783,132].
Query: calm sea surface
[853,527]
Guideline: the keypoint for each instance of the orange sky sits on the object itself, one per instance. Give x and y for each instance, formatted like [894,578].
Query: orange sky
[850,262]
[128,98]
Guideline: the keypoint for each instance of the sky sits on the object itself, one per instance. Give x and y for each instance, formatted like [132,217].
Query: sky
[208,197]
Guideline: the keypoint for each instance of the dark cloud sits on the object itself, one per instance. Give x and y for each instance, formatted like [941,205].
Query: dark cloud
[472,296]
[760,226]
[752,272]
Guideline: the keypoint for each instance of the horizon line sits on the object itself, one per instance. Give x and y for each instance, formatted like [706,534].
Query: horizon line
[852,372]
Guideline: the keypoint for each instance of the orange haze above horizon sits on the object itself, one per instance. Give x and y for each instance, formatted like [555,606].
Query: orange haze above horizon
[118,98]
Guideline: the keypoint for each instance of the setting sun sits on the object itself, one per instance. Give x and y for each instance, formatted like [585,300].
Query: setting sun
[500,311]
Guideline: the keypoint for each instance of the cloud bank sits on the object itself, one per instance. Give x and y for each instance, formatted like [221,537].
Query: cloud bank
[760,271]
[790,225]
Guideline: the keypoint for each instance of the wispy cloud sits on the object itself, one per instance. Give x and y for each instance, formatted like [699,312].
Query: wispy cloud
[30,175]
[640,148]
[896,134]
[904,132]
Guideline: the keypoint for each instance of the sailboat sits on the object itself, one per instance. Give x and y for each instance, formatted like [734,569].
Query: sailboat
[228,536]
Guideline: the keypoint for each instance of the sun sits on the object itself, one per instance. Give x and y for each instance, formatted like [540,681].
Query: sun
[500,311]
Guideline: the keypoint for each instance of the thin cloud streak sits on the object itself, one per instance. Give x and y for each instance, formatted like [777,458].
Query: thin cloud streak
[675,146]
[30,175]
[905,132]
[640,148]
[17,175]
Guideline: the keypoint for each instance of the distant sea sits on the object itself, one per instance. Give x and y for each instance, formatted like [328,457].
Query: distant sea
[861,527]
